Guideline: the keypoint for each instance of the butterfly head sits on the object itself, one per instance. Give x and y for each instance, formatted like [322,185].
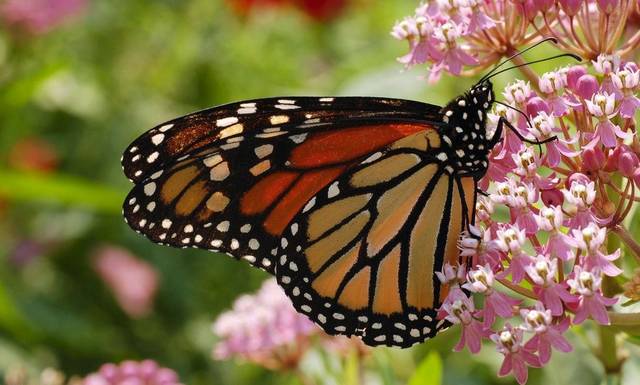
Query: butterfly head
[465,130]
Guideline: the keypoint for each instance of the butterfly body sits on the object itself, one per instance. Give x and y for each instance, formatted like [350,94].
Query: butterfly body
[352,203]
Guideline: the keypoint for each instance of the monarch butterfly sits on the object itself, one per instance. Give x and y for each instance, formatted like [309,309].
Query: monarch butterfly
[351,202]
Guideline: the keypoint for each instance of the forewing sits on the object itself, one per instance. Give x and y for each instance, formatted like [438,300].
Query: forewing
[360,258]
[159,147]
[235,188]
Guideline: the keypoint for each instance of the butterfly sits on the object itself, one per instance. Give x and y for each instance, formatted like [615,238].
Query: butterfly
[353,203]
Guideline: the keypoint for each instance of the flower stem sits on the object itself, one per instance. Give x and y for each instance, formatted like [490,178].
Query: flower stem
[628,240]
[608,355]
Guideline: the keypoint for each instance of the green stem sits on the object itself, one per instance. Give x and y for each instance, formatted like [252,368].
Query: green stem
[609,355]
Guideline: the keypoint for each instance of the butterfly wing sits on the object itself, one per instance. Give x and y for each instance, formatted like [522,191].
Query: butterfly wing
[232,178]
[360,258]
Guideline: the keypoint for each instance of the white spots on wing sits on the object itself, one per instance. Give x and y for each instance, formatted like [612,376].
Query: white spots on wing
[322,318]
[462,103]
[397,338]
[136,208]
[149,189]
[266,262]
[247,110]
[459,130]
[156,174]
[165,128]
[220,172]
[138,173]
[135,158]
[284,243]
[151,206]
[198,238]
[254,244]
[286,101]
[142,222]
[309,205]
[132,201]
[442,157]
[231,130]
[229,146]
[415,333]
[304,308]
[460,153]
[263,151]
[268,135]
[247,105]
[157,139]
[294,229]
[372,158]
[186,240]
[245,228]
[249,258]
[445,119]
[212,160]
[480,114]
[216,243]
[223,226]
[287,107]
[312,121]
[166,224]
[162,236]
[380,338]
[224,122]
[188,229]
[133,149]
[278,119]
[447,140]
[298,138]
[464,116]
[327,100]
[234,244]
[293,266]
[152,158]
[334,190]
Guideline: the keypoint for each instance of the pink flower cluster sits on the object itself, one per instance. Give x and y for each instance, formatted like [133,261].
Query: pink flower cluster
[451,34]
[39,16]
[550,252]
[264,328]
[146,372]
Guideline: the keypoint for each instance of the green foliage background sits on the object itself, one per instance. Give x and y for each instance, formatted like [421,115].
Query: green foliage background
[92,86]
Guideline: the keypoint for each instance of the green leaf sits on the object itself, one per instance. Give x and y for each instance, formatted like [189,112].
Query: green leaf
[61,189]
[429,372]
[351,369]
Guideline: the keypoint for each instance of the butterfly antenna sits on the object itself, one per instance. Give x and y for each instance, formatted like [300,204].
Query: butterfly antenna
[576,57]
[507,60]
[539,143]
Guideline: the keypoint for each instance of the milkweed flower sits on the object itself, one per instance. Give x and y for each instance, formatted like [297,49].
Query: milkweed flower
[541,235]
[146,372]
[37,17]
[264,328]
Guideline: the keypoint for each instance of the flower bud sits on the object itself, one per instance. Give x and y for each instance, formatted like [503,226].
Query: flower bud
[571,7]
[612,159]
[573,75]
[607,6]
[535,105]
[628,163]
[592,159]
[586,86]
[552,197]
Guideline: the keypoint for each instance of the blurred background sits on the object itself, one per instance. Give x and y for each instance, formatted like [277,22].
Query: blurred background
[79,80]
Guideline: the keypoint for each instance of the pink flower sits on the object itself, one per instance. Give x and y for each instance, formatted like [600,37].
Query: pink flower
[263,328]
[590,240]
[517,357]
[39,16]
[146,372]
[458,309]
[511,240]
[559,245]
[451,275]
[454,57]
[627,82]
[551,293]
[547,334]
[134,282]
[592,303]
[480,280]
[602,106]
[579,199]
